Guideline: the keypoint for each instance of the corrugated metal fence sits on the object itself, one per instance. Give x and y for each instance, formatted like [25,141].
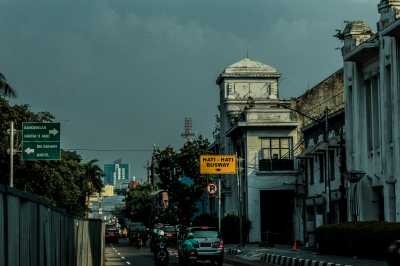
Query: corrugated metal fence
[33,233]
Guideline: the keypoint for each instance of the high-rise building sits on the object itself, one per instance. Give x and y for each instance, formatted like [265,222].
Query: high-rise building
[116,174]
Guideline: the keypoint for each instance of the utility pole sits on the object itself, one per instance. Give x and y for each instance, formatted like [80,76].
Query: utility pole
[240,212]
[342,189]
[219,203]
[328,177]
[12,154]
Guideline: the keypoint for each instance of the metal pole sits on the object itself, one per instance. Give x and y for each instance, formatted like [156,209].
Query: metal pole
[219,203]
[12,155]
[328,178]
[240,201]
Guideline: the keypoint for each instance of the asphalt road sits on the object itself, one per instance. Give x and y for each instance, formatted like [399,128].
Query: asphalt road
[124,254]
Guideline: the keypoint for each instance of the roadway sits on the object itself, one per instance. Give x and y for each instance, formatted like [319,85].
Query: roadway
[124,254]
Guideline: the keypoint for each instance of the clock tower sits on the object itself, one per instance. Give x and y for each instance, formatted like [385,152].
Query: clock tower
[248,78]
[254,125]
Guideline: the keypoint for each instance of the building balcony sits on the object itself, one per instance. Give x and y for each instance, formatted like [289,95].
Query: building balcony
[268,165]
[363,52]
[392,30]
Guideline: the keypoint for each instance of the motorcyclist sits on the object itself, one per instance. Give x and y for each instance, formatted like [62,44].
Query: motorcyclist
[160,237]
[190,244]
[189,250]
[154,239]
[161,255]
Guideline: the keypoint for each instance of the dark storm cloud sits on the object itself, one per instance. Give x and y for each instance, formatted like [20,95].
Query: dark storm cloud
[124,74]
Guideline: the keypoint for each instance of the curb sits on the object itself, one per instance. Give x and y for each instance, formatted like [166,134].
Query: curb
[295,261]
[242,262]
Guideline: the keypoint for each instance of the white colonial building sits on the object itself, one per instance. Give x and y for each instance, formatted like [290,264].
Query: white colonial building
[324,154]
[372,96]
[254,126]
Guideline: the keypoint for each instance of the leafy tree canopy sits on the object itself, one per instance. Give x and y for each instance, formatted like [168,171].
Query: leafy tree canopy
[139,204]
[66,183]
[171,165]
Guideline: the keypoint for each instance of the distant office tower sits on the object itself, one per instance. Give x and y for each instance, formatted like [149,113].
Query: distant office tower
[116,173]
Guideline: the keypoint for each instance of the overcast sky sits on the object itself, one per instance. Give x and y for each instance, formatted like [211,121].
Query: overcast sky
[125,73]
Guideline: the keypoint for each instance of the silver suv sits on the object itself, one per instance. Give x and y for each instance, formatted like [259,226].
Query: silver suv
[209,244]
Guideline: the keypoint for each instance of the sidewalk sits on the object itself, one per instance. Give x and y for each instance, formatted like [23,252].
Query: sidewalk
[253,252]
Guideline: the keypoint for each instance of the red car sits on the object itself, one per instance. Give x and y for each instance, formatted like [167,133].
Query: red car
[112,235]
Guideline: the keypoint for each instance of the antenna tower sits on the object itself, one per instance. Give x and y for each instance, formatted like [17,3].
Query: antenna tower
[187,133]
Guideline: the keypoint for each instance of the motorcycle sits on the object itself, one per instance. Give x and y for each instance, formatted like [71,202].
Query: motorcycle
[191,258]
[139,242]
[162,255]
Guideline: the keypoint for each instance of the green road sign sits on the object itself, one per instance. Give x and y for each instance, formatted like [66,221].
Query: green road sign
[40,141]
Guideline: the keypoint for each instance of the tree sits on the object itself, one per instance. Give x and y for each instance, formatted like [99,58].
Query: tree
[172,165]
[139,204]
[92,176]
[60,182]
[5,88]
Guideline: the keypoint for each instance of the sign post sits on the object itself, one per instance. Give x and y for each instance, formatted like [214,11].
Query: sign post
[40,141]
[218,165]
[12,154]
[219,205]
[212,188]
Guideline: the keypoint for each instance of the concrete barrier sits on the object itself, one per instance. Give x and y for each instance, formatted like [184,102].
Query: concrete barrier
[276,259]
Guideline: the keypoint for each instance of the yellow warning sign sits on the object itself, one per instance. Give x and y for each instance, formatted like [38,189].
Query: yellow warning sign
[217,164]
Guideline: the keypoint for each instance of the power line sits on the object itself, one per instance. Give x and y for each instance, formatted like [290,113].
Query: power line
[108,150]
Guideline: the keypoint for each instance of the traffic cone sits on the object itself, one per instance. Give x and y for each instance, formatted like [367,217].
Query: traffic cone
[296,245]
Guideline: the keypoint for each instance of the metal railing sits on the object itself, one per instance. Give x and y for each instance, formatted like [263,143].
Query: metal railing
[34,233]
[284,163]
[276,164]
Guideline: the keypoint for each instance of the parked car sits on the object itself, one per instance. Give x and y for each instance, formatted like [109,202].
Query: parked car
[209,245]
[111,234]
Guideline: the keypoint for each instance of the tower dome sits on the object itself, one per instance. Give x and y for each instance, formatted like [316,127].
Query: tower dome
[249,69]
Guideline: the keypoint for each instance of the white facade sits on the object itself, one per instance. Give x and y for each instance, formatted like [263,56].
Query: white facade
[251,122]
[372,92]
[323,158]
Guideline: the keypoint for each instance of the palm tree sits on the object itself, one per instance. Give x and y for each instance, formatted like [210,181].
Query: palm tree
[93,174]
[5,88]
